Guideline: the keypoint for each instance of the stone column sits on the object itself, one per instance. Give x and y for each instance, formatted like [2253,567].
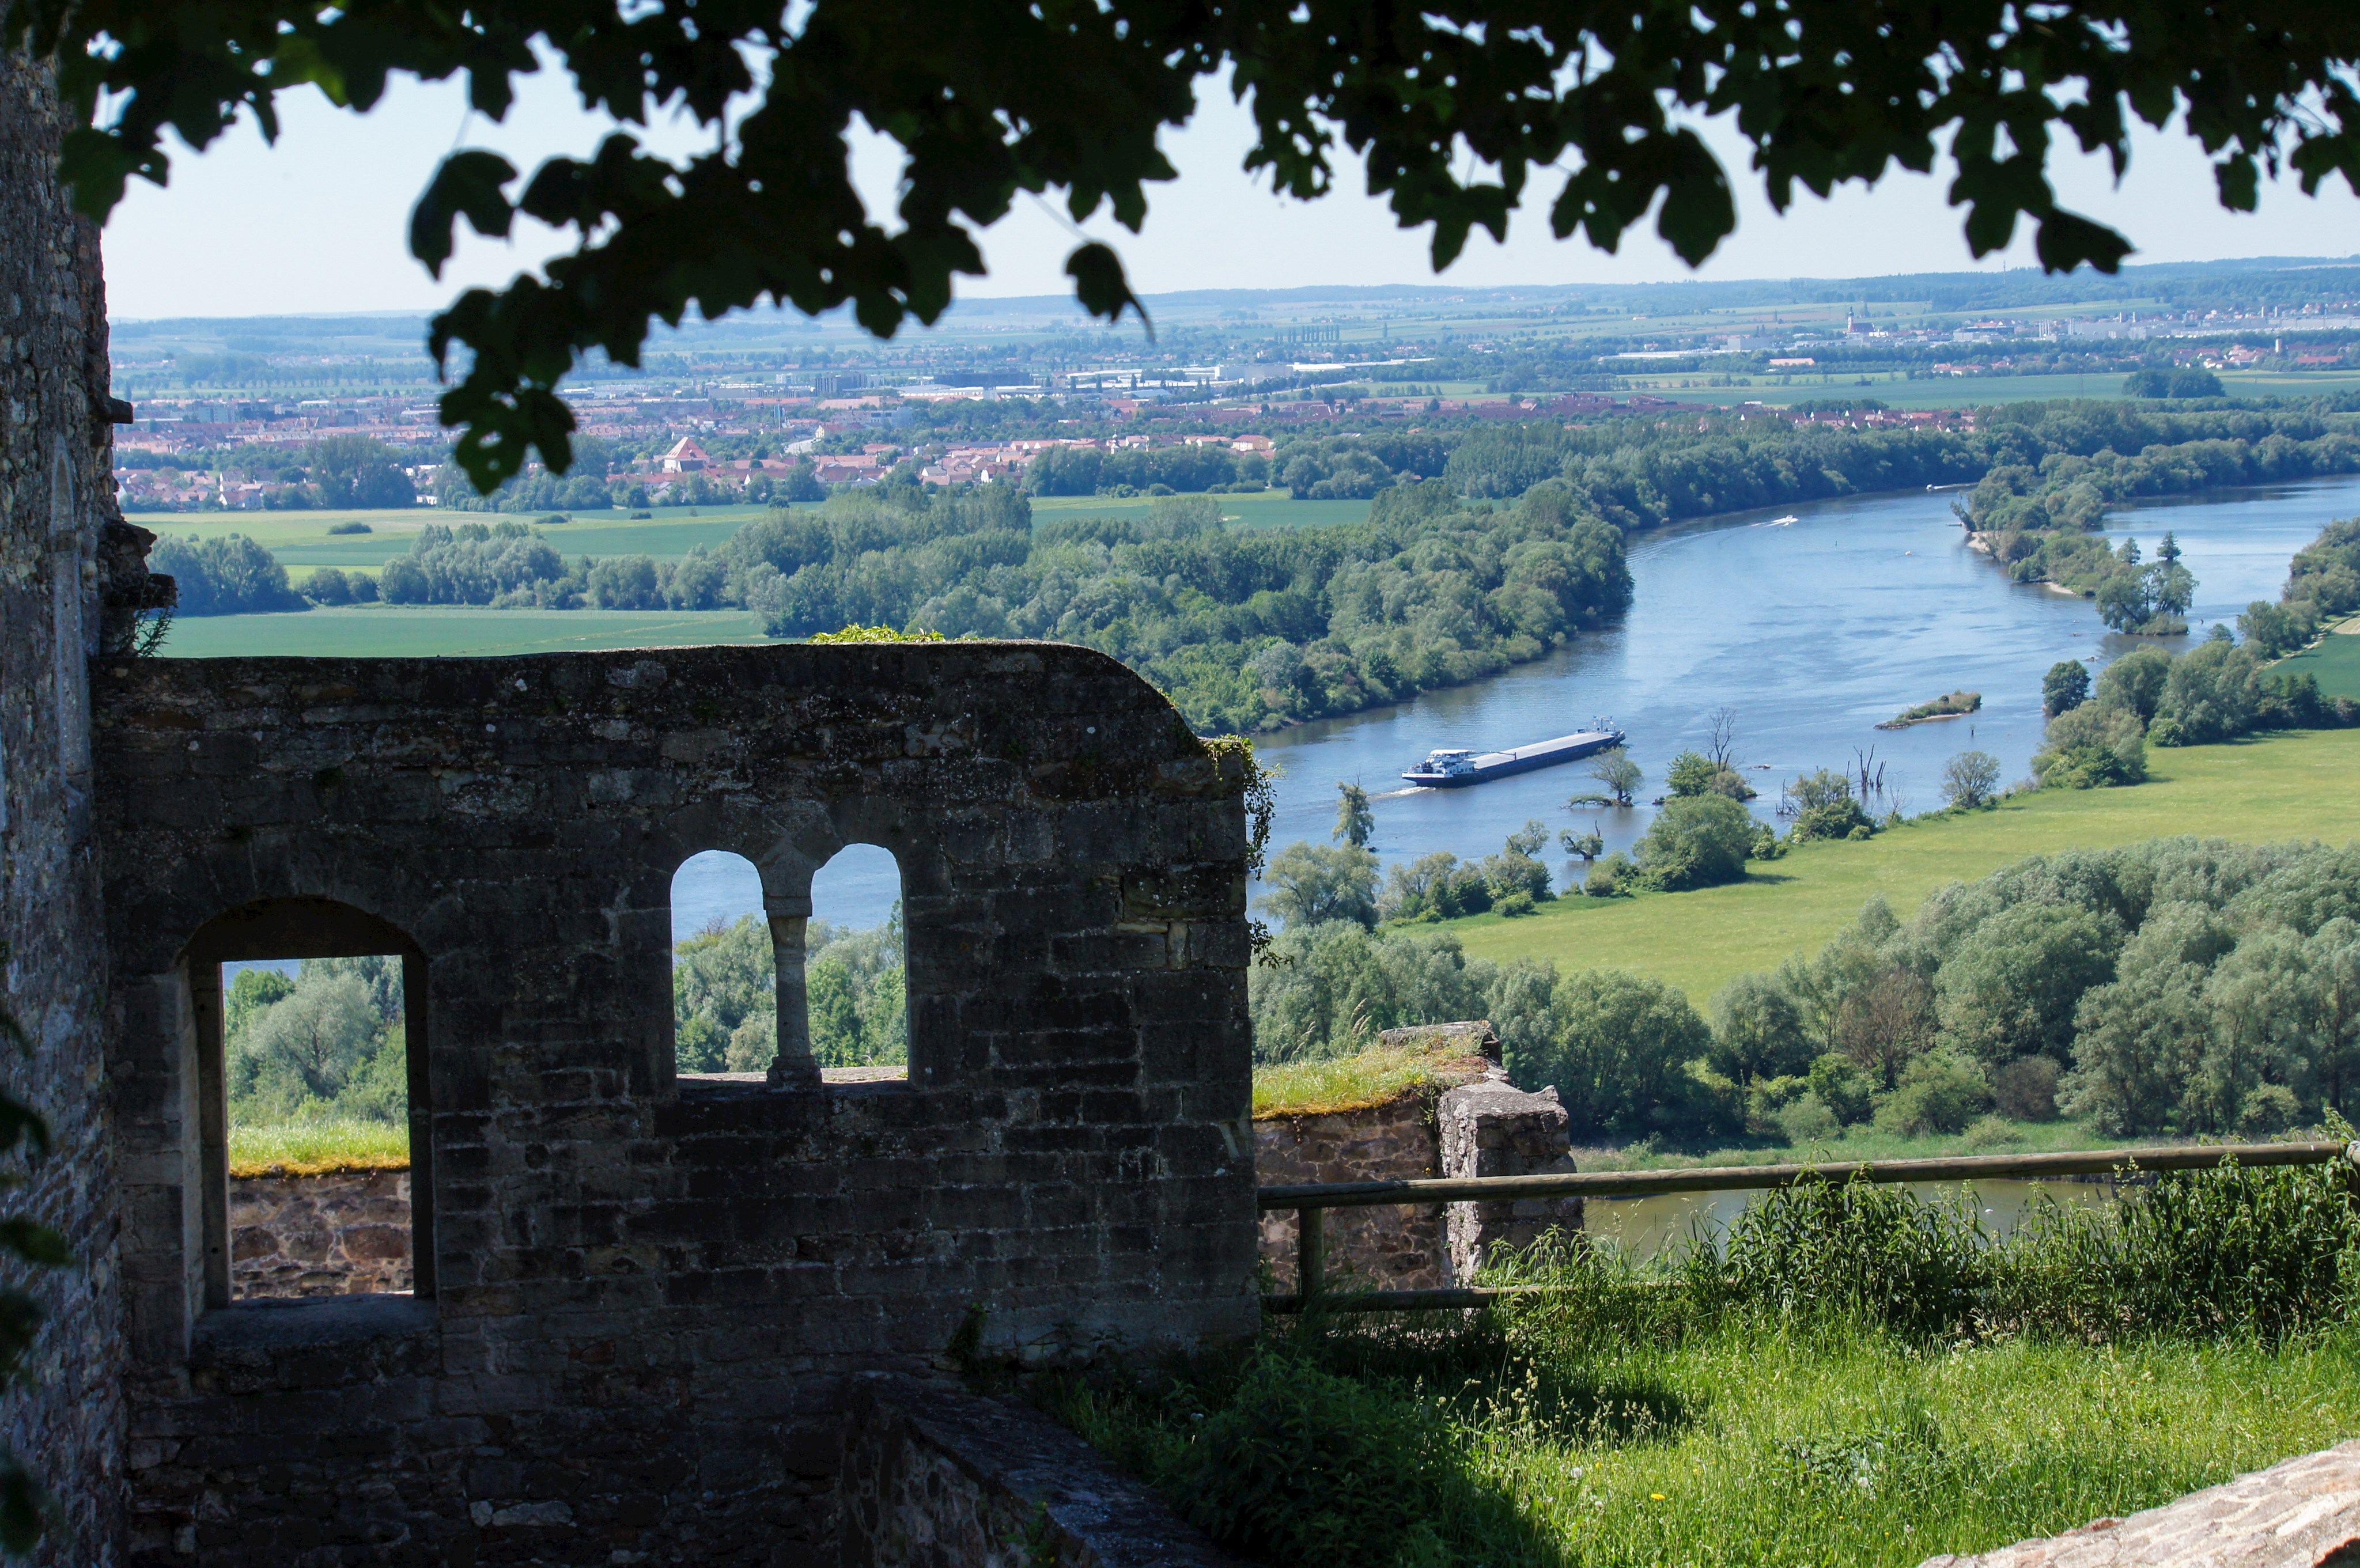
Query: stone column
[793,1066]
[1493,1128]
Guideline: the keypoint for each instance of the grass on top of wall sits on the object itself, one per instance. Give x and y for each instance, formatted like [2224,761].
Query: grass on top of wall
[1377,1076]
[318,1147]
[2290,786]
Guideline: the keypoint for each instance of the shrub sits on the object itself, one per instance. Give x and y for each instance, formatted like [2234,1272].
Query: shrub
[1838,1083]
[350,528]
[2026,1089]
[1699,841]
[2093,747]
[1994,1132]
[2209,697]
[1611,877]
[1759,1033]
[1302,1467]
[1823,806]
[1939,1094]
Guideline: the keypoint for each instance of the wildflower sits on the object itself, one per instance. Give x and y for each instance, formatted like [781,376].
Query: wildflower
[1658,1495]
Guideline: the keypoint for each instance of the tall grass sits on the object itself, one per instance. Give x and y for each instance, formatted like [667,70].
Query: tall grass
[318,1147]
[1853,1376]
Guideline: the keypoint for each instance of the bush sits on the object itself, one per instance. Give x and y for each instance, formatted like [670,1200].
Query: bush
[2093,747]
[1838,1083]
[1823,806]
[350,528]
[1939,1094]
[1302,1467]
[2026,1089]
[2209,697]
[1699,841]
[1612,878]
[1994,1132]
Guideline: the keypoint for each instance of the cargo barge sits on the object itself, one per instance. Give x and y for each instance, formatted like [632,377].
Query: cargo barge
[1457,769]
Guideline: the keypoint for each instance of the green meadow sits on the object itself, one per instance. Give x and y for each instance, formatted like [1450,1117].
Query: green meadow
[451,631]
[2296,786]
[2333,662]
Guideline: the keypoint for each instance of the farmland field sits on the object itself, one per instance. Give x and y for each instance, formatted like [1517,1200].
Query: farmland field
[424,631]
[2335,663]
[2294,786]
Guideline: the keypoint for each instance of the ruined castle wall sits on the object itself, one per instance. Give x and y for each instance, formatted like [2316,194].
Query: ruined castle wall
[54,491]
[1395,1247]
[640,1298]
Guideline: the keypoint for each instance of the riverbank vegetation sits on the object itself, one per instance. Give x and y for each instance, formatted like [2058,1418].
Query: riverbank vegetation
[1853,1377]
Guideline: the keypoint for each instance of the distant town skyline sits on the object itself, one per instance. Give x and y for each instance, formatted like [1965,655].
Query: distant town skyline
[319,222]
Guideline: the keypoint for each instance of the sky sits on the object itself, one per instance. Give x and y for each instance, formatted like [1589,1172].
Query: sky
[319,222]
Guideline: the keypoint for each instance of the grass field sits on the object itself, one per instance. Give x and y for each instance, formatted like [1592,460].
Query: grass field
[451,631]
[2335,663]
[2296,786]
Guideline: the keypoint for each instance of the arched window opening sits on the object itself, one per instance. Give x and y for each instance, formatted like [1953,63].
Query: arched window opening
[724,969]
[855,986]
[314,1127]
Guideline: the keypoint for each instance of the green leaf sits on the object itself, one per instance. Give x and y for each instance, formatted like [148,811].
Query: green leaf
[468,183]
[1100,286]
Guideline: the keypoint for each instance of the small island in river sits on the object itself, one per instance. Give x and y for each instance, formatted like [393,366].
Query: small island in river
[1950,707]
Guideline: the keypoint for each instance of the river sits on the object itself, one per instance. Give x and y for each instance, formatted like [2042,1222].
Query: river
[1814,631]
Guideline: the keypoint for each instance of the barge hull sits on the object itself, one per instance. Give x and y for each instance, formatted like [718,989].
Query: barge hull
[1492,764]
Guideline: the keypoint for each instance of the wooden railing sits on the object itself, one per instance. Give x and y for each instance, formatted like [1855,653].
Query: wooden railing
[1310,1201]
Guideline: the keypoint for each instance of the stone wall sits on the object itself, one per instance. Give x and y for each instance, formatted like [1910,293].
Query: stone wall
[62,549]
[1392,1248]
[935,1477]
[319,1235]
[639,1298]
[2304,1513]
[1471,1122]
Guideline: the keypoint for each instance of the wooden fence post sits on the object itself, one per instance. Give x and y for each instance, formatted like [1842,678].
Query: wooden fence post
[1310,1252]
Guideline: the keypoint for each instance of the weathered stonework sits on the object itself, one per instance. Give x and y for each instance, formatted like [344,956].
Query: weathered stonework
[2304,1513]
[1492,1129]
[336,1235]
[1392,1248]
[640,1296]
[1473,1123]
[941,1479]
[65,557]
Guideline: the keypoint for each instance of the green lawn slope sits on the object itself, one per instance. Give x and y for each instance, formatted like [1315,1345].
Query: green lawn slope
[2298,786]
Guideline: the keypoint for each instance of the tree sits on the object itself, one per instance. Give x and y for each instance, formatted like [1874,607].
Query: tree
[2210,696]
[1758,1032]
[1621,777]
[2065,686]
[1722,744]
[2010,988]
[2090,747]
[1355,823]
[989,103]
[2133,683]
[358,471]
[307,1046]
[1970,779]
[1620,1053]
[1822,805]
[1698,841]
[1691,774]
[1313,883]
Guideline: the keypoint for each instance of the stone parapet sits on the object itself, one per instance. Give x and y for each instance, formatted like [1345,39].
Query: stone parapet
[1492,1129]
[1392,1248]
[319,1235]
[2304,1513]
